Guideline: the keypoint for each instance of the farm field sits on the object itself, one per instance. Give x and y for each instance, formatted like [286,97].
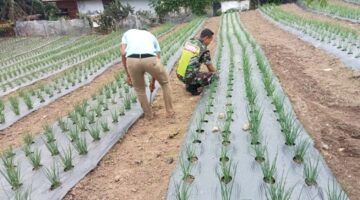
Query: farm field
[281,121]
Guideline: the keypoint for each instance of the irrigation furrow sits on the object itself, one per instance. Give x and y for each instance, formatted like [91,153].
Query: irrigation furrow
[114,107]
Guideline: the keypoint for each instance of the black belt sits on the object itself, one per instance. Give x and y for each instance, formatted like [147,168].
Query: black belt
[141,55]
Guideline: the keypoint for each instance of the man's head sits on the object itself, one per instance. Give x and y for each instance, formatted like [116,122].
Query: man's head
[206,36]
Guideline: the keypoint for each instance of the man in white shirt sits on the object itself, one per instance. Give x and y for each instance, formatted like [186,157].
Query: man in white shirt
[140,53]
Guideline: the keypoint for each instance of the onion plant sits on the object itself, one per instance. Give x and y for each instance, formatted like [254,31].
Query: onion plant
[115,116]
[186,170]
[94,132]
[191,154]
[290,129]
[12,176]
[127,101]
[49,133]
[98,110]
[7,160]
[311,172]
[52,147]
[122,110]
[28,138]
[74,134]
[269,169]
[63,125]
[14,105]
[28,101]
[182,191]
[53,175]
[27,150]
[278,191]
[224,156]
[35,159]
[300,151]
[335,192]
[81,146]
[227,171]
[81,108]
[66,158]
[105,126]
[260,151]
[23,194]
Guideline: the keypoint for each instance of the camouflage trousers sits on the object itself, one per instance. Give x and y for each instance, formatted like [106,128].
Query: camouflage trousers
[198,80]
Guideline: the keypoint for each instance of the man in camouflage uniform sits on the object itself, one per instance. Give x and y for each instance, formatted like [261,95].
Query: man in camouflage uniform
[194,54]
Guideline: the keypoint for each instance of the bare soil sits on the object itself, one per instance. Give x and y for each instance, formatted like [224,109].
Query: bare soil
[324,92]
[139,166]
[295,9]
[33,123]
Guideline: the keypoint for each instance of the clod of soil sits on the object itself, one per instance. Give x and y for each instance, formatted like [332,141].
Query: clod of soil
[189,179]
[215,129]
[246,127]
[193,159]
[226,179]
[222,116]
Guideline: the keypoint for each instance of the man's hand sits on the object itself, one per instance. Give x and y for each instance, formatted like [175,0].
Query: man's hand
[152,85]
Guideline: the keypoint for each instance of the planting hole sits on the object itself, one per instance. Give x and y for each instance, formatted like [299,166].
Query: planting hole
[310,183]
[269,180]
[200,130]
[193,159]
[197,141]
[226,142]
[298,159]
[226,179]
[259,159]
[224,159]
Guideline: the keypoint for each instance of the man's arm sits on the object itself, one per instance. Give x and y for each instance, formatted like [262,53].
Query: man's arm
[123,60]
[207,61]
[211,67]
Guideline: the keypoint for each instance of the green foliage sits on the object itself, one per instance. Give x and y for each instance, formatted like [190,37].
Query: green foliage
[113,13]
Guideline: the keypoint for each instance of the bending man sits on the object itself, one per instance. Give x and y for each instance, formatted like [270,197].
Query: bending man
[140,53]
[195,53]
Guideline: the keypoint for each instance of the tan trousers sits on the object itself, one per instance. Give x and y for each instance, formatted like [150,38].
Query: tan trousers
[137,68]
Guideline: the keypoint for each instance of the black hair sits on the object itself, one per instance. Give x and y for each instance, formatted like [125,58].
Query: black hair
[206,33]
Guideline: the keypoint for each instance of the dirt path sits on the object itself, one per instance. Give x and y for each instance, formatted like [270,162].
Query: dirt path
[327,102]
[295,9]
[48,114]
[139,166]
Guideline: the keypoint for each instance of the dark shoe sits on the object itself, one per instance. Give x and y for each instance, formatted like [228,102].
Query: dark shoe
[193,89]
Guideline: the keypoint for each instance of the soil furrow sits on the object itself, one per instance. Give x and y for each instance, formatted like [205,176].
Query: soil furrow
[323,91]
[139,166]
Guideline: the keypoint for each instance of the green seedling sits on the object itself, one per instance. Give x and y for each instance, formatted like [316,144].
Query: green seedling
[186,170]
[94,132]
[73,116]
[28,101]
[182,191]
[227,171]
[195,137]
[133,97]
[14,105]
[98,110]
[91,117]
[122,110]
[269,170]
[224,156]
[199,124]
[81,108]
[278,191]
[300,151]
[127,102]
[290,130]
[67,159]
[81,146]
[49,133]
[7,160]
[2,117]
[27,150]
[28,138]
[191,154]
[63,125]
[226,128]
[115,116]
[335,192]
[35,159]
[12,176]
[105,126]
[260,151]
[23,194]
[52,147]
[82,124]
[74,134]
[53,175]
[311,172]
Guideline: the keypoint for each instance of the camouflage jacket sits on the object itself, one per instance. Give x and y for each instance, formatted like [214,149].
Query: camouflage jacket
[195,62]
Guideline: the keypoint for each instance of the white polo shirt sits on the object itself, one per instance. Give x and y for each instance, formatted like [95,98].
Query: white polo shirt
[140,42]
